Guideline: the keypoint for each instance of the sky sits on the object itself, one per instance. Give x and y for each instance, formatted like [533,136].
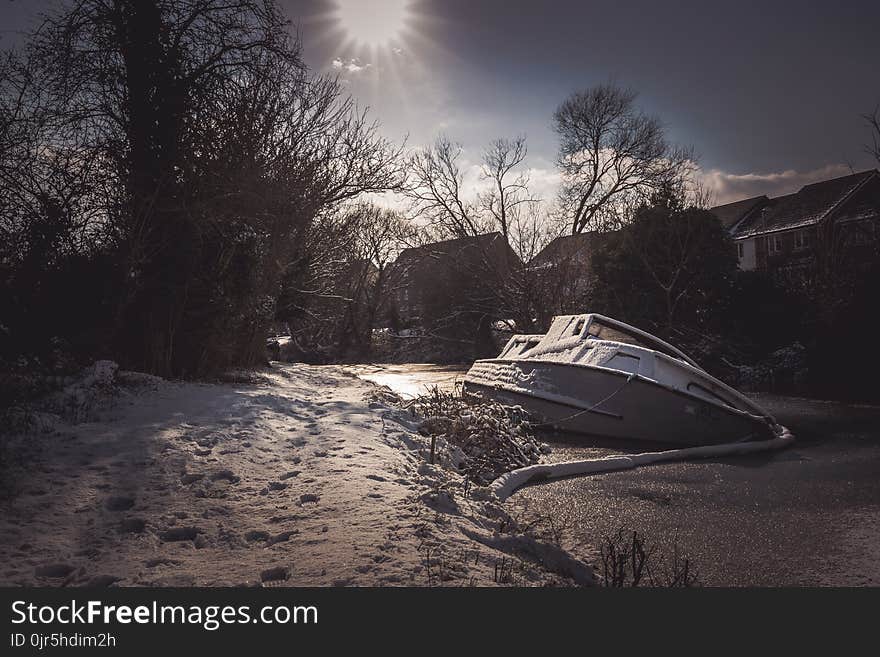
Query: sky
[769,94]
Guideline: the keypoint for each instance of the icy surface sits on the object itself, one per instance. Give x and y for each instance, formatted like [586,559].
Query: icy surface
[506,484]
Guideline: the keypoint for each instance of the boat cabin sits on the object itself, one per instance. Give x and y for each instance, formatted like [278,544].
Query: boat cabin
[569,331]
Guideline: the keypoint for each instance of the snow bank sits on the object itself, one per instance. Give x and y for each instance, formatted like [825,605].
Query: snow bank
[505,485]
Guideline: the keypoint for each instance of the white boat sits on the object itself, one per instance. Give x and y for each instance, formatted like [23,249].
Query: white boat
[591,374]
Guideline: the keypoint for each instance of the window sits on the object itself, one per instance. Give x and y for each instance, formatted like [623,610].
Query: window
[801,240]
[624,363]
[739,250]
[861,234]
[774,244]
[619,334]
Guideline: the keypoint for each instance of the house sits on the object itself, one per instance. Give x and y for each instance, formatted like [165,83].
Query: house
[567,250]
[563,272]
[825,224]
[452,286]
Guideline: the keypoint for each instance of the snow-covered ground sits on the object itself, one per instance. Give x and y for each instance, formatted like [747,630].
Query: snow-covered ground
[305,477]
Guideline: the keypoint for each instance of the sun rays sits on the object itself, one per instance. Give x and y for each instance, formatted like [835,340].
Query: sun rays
[375,24]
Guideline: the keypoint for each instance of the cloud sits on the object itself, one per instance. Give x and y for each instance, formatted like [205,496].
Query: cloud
[728,187]
[351,66]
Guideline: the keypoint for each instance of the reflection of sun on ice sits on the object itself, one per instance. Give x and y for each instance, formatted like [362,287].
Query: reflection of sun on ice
[373,22]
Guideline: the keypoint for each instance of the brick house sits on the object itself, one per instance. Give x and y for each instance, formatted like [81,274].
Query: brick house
[452,286]
[824,225]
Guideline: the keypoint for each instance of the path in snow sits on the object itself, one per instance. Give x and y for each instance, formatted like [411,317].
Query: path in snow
[298,481]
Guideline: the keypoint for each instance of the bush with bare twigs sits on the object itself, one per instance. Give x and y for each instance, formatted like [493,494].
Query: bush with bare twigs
[629,560]
[486,438]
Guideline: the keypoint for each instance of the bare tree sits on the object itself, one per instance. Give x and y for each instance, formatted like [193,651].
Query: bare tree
[609,154]
[435,189]
[873,121]
[211,155]
[508,190]
[380,236]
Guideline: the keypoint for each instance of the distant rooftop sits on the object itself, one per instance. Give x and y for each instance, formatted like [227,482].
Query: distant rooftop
[805,207]
[567,246]
[447,247]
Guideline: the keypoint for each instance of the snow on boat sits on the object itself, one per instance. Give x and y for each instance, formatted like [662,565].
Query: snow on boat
[595,375]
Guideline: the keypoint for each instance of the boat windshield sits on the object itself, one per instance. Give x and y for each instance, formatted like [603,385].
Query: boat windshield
[604,331]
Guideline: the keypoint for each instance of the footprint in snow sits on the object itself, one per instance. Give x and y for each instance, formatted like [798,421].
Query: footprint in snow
[256,535]
[132,526]
[54,570]
[176,534]
[101,581]
[277,574]
[283,537]
[225,475]
[119,503]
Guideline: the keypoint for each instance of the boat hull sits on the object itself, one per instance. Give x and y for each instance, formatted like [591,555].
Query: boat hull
[602,402]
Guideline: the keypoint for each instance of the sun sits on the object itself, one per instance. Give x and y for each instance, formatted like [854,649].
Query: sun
[373,23]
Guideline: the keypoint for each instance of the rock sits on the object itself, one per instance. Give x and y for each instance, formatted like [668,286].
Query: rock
[191,478]
[277,574]
[132,526]
[119,503]
[200,543]
[277,485]
[179,534]
[290,475]
[308,498]
[54,570]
